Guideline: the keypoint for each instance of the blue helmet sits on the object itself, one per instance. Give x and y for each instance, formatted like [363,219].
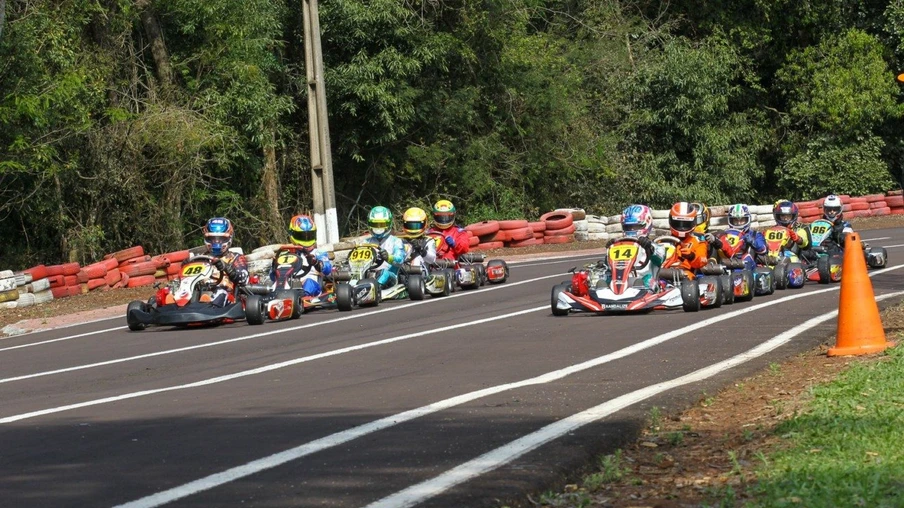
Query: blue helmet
[739,217]
[218,234]
[379,221]
[637,220]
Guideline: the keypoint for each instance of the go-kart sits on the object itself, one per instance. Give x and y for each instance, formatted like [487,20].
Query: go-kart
[589,291]
[186,301]
[363,289]
[827,267]
[735,256]
[285,298]
[786,266]
[714,284]
[437,279]
[471,273]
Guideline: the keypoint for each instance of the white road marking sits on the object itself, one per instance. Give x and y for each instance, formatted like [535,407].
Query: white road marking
[70,337]
[511,451]
[893,246]
[339,438]
[355,315]
[876,239]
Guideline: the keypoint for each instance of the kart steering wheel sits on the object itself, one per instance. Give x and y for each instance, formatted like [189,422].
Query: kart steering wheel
[210,260]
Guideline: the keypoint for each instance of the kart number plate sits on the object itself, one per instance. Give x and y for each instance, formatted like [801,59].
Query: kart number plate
[732,239]
[623,252]
[287,259]
[776,235]
[361,254]
[192,269]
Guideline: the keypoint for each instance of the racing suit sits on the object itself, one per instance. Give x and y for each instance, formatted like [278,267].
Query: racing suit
[800,242]
[455,242]
[394,250]
[693,254]
[318,263]
[235,270]
[756,249]
[840,229]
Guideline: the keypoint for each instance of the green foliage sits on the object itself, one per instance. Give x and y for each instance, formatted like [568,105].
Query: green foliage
[828,165]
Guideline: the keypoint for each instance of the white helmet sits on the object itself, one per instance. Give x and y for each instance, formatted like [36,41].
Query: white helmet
[832,208]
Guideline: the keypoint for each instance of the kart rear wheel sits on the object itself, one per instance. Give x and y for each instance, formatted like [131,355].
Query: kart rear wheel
[134,325]
[254,310]
[482,275]
[780,275]
[344,296]
[416,287]
[379,294]
[449,285]
[727,289]
[556,290]
[690,295]
[824,269]
[877,257]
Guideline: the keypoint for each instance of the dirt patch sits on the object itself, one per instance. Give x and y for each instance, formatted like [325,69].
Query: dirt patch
[707,455]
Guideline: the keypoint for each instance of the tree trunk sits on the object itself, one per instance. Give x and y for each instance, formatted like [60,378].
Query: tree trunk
[2,17]
[158,45]
[270,185]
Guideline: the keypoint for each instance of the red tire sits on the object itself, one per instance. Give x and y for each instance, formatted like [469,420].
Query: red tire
[133,261]
[59,292]
[525,233]
[859,205]
[74,290]
[537,227]
[487,227]
[96,270]
[96,283]
[895,192]
[70,268]
[139,269]
[473,241]
[499,236]
[538,235]
[177,256]
[82,277]
[57,281]
[54,270]
[174,269]
[141,280]
[845,199]
[876,212]
[557,220]
[123,281]
[897,211]
[526,243]
[70,280]
[37,272]
[110,263]
[878,204]
[872,198]
[846,208]
[895,201]
[489,245]
[131,252]
[558,239]
[560,232]
[160,261]
[512,224]
[113,276]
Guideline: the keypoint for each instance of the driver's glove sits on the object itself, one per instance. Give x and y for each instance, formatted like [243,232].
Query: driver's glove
[645,242]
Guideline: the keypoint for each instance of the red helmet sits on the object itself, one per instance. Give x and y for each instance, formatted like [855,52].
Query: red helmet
[683,219]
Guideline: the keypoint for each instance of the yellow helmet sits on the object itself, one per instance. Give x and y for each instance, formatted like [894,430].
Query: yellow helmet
[444,214]
[703,216]
[414,221]
[302,231]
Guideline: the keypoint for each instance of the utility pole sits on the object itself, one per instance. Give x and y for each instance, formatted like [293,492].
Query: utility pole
[318,130]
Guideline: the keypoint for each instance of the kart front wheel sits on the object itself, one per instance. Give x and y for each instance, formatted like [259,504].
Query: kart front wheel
[133,323]
[727,289]
[344,296]
[556,290]
[690,296]
[824,269]
[780,274]
[416,287]
[378,298]
[749,283]
[482,275]
[254,310]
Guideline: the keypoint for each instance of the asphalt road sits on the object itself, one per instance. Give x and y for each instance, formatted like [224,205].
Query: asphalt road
[460,401]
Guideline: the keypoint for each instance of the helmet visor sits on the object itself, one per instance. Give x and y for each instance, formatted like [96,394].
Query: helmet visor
[738,222]
[412,226]
[832,211]
[683,225]
[444,218]
[784,218]
[304,237]
[633,229]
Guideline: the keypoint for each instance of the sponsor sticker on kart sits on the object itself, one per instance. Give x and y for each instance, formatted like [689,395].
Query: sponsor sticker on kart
[362,294]
[616,306]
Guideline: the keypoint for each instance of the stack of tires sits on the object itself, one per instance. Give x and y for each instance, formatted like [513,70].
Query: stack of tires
[14,291]
[878,205]
[261,259]
[595,229]
[560,227]
[488,235]
[895,201]
[809,211]
[63,280]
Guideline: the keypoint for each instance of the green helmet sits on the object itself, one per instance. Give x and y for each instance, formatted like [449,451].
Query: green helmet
[379,220]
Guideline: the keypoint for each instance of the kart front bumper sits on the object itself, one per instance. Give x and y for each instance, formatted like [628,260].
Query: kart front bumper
[193,313]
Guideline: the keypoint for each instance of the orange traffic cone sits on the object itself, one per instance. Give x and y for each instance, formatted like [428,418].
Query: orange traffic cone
[860,329]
